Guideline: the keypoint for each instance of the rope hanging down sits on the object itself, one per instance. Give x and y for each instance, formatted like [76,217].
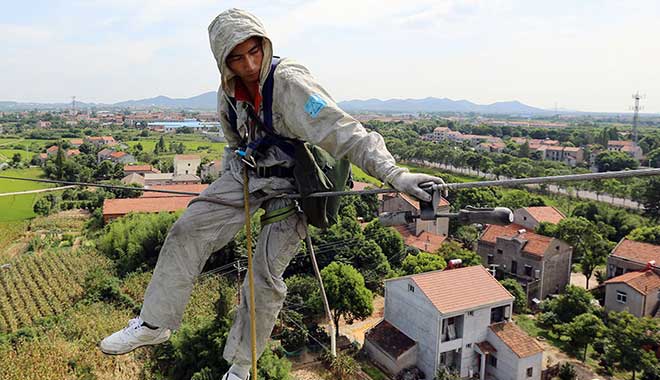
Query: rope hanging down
[448,186]
[248,235]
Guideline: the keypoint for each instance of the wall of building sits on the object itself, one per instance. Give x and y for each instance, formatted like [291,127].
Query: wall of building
[391,365]
[628,266]
[475,330]
[414,315]
[507,360]
[525,219]
[634,301]
[533,361]
[556,268]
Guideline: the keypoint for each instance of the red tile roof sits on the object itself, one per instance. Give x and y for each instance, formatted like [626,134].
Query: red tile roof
[425,241]
[52,149]
[545,214]
[138,168]
[486,348]
[118,154]
[637,251]
[644,282]
[195,188]
[536,244]
[72,152]
[390,339]
[461,289]
[119,207]
[76,141]
[415,203]
[516,339]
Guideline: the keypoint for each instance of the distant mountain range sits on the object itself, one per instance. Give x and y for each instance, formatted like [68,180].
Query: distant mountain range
[208,101]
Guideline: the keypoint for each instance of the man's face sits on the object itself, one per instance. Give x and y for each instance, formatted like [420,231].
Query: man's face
[245,60]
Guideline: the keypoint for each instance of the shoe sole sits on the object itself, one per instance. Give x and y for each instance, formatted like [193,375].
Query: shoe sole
[132,349]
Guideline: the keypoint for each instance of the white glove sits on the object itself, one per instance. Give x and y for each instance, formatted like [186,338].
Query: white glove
[409,183]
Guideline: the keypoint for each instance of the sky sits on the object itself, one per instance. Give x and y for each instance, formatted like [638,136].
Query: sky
[588,55]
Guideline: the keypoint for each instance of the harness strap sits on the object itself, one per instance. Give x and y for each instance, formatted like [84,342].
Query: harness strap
[278,215]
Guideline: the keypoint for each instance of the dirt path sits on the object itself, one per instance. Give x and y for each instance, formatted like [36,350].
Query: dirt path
[578,279]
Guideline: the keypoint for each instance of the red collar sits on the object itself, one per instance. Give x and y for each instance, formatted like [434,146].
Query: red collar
[241,93]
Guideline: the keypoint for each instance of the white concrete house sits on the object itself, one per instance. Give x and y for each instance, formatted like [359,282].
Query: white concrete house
[457,318]
[186,164]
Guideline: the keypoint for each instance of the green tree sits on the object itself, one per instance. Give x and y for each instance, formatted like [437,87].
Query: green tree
[614,161]
[303,292]
[515,199]
[654,158]
[347,294]
[422,262]
[42,207]
[16,159]
[582,331]
[646,235]
[517,291]
[523,151]
[160,146]
[59,162]
[450,250]
[625,339]
[567,372]
[564,308]
[651,198]
[389,240]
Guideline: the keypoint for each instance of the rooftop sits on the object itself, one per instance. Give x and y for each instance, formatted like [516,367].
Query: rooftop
[637,251]
[425,241]
[390,339]
[535,244]
[545,214]
[138,168]
[644,282]
[186,157]
[122,206]
[194,188]
[516,339]
[460,289]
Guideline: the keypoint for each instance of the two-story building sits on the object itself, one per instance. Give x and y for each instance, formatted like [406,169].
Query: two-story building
[635,292]
[632,256]
[541,264]
[458,319]
[531,217]
[186,164]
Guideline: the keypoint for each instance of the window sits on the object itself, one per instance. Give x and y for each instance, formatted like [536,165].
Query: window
[492,360]
[514,267]
[471,312]
[491,258]
[411,288]
[528,270]
[468,345]
[621,297]
[499,251]
[530,371]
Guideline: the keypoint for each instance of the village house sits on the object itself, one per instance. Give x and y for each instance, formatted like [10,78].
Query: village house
[104,154]
[121,158]
[459,319]
[186,164]
[100,141]
[76,143]
[541,264]
[635,292]
[212,169]
[425,235]
[628,147]
[531,217]
[151,202]
[631,256]
[139,169]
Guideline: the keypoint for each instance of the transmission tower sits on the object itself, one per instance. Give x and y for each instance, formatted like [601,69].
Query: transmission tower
[73,104]
[636,108]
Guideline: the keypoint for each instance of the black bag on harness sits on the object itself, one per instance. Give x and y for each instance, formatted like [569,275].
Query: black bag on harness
[315,169]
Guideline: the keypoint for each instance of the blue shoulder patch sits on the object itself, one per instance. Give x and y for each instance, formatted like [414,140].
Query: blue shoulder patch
[314,105]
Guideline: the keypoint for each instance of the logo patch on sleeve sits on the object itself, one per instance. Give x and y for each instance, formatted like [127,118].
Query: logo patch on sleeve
[314,105]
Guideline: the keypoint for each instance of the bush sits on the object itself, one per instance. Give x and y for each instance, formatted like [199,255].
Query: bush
[102,286]
[567,372]
[514,287]
[134,241]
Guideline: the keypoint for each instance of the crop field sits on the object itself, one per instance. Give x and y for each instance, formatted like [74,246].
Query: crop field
[10,185]
[39,285]
[17,207]
[194,145]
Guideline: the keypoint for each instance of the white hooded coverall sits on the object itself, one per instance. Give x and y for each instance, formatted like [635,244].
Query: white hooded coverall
[302,109]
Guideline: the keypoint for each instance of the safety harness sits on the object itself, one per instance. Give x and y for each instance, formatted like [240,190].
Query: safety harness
[315,170]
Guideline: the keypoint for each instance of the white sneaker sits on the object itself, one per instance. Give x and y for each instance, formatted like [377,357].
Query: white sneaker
[133,336]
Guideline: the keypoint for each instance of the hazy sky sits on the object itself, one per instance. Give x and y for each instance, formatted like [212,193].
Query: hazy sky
[586,55]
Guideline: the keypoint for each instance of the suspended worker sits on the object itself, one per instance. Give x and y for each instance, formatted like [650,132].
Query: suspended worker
[301,109]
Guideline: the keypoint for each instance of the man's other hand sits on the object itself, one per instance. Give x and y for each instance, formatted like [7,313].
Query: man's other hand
[409,183]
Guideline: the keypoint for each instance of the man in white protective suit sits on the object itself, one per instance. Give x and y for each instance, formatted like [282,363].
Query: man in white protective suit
[301,109]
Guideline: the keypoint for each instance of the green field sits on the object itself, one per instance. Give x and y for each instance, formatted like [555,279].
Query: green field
[10,185]
[194,145]
[17,207]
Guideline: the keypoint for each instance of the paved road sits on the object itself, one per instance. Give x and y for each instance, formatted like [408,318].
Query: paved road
[37,191]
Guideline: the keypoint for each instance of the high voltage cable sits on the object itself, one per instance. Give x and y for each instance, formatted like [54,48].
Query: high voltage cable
[448,186]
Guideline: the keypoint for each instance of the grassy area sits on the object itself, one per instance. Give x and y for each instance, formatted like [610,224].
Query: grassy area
[17,207]
[360,176]
[10,185]
[373,371]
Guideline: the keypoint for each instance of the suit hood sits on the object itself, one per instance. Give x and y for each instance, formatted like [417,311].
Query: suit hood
[229,29]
